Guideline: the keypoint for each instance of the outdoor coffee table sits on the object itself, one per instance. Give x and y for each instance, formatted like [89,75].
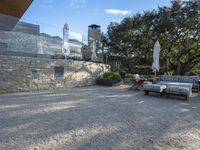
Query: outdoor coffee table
[137,83]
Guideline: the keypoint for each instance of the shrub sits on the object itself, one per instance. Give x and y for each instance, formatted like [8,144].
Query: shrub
[147,76]
[123,74]
[126,70]
[129,75]
[115,67]
[169,73]
[111,76]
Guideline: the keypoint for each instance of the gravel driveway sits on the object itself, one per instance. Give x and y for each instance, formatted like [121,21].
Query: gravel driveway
[98,118]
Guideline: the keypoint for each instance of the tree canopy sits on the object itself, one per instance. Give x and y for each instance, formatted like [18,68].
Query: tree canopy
[176,27]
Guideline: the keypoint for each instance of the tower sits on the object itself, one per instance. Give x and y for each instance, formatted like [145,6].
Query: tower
[94,40]
[66,49]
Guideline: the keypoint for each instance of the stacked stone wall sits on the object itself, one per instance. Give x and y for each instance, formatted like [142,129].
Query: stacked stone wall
[18,74]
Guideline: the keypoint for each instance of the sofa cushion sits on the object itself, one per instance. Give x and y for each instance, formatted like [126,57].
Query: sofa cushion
[178,90]
[189,79]
[169,78]
[177,84]
[154,87]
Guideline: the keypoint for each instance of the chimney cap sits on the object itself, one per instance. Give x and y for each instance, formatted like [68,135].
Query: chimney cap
[94,26]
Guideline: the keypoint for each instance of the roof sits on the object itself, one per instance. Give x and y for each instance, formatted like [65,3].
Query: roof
[11,11]
[94,26]
[66,26]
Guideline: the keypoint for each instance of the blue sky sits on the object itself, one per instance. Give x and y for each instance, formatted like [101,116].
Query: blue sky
[52,14]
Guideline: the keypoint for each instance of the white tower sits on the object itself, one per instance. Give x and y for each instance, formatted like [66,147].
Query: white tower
[66,49]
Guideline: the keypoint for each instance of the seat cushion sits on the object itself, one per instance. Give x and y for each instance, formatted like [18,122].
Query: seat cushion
[154,87]
[179,84]
[169,78]
[178,90]
[189,79]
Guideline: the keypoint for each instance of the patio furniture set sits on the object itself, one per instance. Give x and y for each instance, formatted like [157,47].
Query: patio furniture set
[173,85]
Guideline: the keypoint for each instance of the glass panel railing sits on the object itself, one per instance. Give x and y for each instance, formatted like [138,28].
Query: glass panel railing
[34,39]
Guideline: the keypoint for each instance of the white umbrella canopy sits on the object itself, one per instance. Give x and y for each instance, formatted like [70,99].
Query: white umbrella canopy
[156,56]
[66,49]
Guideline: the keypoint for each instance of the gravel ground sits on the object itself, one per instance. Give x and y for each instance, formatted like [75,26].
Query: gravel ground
[98,118]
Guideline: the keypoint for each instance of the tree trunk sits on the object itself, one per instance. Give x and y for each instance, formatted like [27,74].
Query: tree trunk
[129,65]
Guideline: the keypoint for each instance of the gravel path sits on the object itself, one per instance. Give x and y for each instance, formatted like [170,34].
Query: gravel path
[98,118]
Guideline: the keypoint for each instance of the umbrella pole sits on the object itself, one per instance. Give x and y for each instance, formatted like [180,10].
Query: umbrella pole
[155,75]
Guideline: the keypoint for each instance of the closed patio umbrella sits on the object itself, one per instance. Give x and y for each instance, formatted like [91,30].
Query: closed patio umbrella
[66,49]
[156,56]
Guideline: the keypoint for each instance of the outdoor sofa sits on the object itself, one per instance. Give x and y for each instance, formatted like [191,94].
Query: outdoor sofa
[184,91]
[181,81]
[174,85]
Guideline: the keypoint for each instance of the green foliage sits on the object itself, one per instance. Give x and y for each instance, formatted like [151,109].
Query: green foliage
[195,70]
[169,73]
[126,70]
[111,76]
[147,76]
[123,74]
[129,75]
[115,67]
[176,27]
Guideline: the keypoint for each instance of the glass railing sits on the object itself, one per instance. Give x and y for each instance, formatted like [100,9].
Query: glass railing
[21,37]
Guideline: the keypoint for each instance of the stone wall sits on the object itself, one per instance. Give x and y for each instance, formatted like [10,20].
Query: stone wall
[19,74]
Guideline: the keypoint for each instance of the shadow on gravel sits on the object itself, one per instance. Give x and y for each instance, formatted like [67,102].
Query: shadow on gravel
[98,118]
